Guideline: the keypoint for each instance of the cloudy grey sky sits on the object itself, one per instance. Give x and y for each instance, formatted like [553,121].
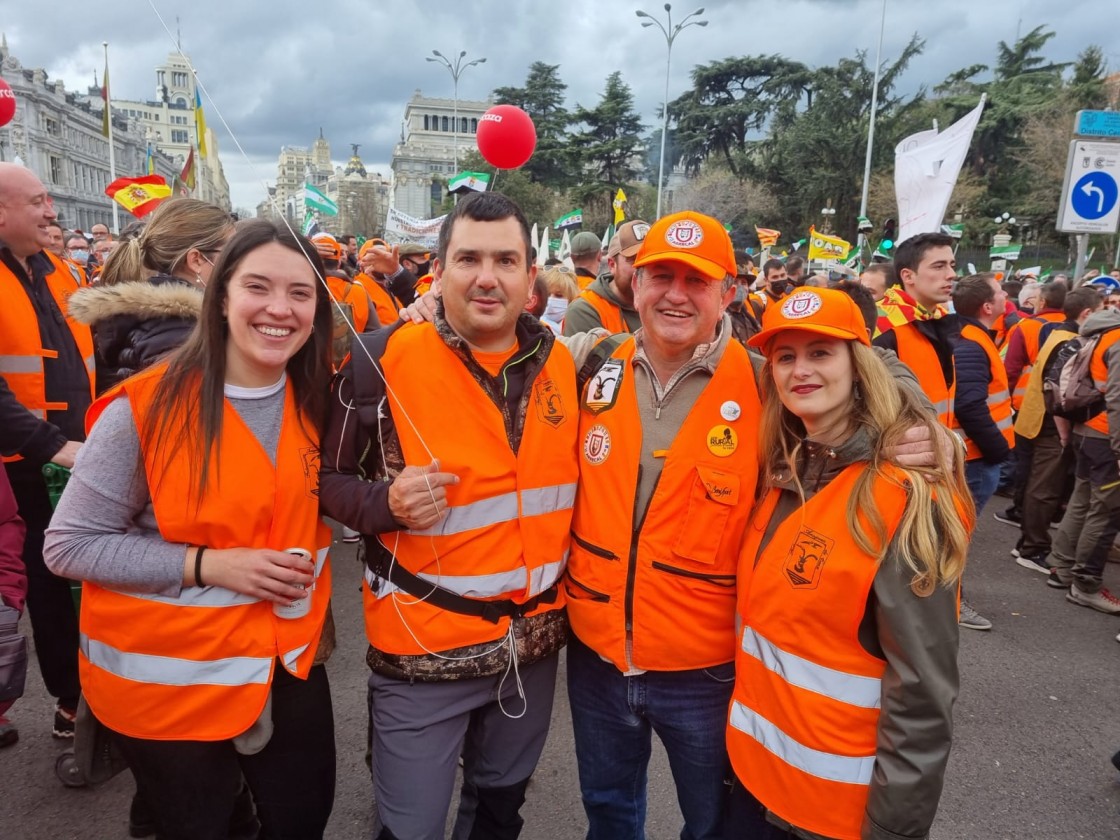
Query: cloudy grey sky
[279,70]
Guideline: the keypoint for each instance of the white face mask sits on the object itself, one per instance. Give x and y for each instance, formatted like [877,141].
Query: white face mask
[556,308]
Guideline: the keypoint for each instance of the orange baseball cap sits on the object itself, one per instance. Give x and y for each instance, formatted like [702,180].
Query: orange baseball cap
[826,311]
[327,246]
[370,243]
[691,238]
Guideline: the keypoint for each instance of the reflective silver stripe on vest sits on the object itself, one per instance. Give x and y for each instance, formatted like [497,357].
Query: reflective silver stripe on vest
[210,596]
[503,508]
[942,407]
[834,768]
[852,689]
[544,500]
[1005,423]
[481,586]
[291,656]
[998,397]
[167,670]
[195,596]
[478,514]
[1100,383]
[21,364]
[91,364]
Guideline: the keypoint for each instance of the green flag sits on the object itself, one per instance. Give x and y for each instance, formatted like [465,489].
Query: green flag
[477,181]
[570,220]
[315,199]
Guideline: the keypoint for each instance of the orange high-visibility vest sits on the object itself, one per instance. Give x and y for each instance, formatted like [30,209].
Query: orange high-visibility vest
[918,353]
[21,359]
[610,314]
[387,307]
[804,716]
[999,400]
[198,667]
[1099,371]
[1031,328]
[656,589]
[354,294]
[506,533]
[424,284]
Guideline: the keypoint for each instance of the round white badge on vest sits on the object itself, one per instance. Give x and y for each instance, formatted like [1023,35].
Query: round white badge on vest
[597,444]
[730,410]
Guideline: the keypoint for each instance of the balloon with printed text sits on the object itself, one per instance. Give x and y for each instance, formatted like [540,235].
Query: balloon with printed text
[7,103]
[506,136]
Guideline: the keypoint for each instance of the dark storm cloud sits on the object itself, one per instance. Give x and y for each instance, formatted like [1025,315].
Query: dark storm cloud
[279,71]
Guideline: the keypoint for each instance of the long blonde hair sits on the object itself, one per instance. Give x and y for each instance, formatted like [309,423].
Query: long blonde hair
[177,226]
[932,537]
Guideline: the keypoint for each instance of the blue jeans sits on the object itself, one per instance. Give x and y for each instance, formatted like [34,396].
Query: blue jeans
[982,479]
[613,717]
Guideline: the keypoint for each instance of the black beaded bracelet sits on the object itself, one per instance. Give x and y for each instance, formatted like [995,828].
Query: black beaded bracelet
[198,566]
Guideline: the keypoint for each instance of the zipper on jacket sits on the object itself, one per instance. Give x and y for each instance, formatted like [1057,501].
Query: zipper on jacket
[632,569]
[593,549]
[599,597]
[718,580]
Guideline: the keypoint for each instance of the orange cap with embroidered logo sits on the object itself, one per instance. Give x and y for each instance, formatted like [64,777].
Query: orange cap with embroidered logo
[691,238]
[825,311]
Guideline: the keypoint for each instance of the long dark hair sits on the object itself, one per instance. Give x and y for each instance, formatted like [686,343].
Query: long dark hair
[188,402]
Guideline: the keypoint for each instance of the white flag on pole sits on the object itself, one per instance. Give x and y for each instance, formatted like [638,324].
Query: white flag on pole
[926,166]
[565,255]
[543,248]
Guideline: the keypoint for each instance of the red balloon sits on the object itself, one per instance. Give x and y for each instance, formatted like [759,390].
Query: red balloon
[7,103]
[506,136]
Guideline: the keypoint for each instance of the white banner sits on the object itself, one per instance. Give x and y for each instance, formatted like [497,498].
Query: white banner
[926,166]
[401,227]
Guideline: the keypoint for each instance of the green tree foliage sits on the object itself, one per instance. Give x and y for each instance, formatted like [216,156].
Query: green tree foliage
[542,98]
[611,143]
[730,102]
[817,153]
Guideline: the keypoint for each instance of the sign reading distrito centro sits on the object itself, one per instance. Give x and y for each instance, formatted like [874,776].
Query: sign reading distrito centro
[1090,194]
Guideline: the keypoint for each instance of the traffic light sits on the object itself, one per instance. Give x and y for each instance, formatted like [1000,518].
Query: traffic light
[886,242]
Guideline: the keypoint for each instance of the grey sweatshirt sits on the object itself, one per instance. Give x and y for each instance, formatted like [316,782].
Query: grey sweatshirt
[105,529]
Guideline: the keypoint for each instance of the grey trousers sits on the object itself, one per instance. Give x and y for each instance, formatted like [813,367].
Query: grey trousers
[421,729]
[1092,517]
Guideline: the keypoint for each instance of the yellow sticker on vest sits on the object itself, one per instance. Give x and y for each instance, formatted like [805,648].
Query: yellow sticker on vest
[805,563]
[722,441]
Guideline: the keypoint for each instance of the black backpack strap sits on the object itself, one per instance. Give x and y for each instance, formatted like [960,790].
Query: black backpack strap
[598,355]
[364,372]
[453,602]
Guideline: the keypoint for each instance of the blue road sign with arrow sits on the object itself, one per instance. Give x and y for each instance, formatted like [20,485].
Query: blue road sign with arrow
[1094,195]
[1090,195]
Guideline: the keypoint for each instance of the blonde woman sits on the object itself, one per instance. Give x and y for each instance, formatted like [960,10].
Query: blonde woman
[562,290]
[149,294]
[846,668]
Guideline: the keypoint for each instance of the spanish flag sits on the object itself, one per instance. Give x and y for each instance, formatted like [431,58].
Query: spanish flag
[139,196]
[187,175]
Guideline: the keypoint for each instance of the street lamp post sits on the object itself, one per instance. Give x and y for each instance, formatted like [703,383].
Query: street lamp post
[456,69]
[670,32]
[828,212]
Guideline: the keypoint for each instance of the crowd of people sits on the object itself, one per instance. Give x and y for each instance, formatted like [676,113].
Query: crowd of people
[683,473]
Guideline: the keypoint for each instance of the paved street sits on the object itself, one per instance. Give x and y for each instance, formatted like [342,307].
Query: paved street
[1037,720]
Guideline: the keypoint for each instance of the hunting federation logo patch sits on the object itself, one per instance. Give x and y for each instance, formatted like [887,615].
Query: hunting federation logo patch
[801,305]
[597,444]
[805,562]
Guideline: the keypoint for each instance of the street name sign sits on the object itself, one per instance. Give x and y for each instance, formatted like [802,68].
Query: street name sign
[1098,124]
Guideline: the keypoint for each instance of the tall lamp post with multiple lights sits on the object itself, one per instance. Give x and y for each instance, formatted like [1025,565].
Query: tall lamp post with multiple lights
[455,68]
[670,32]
